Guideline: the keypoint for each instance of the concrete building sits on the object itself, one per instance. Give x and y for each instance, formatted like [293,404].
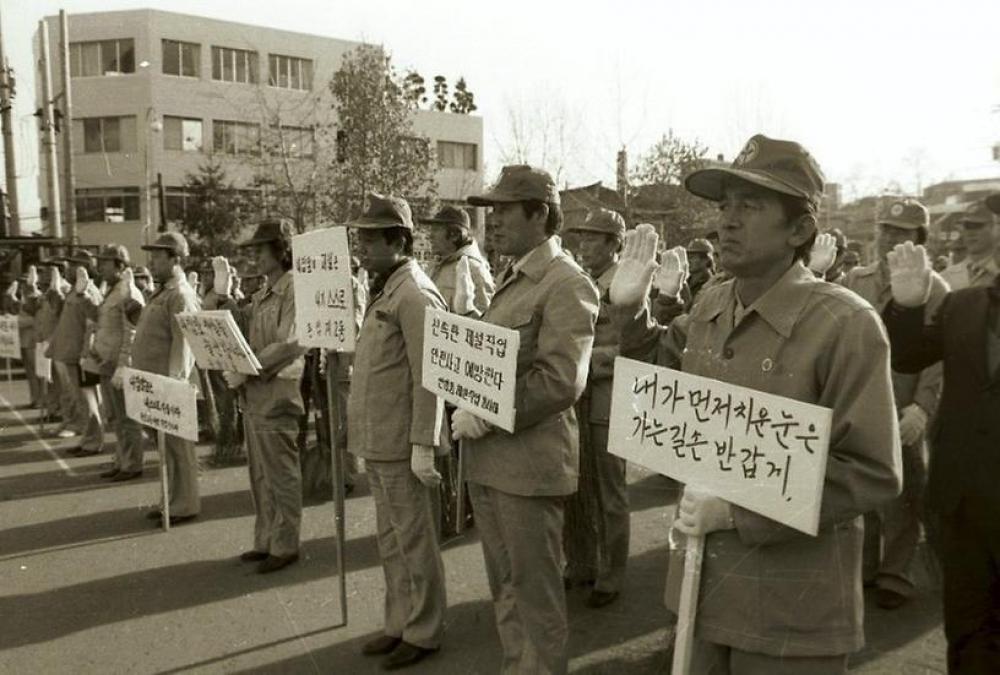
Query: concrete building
[157,94]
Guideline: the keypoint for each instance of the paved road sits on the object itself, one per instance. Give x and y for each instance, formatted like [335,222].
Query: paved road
[87,585]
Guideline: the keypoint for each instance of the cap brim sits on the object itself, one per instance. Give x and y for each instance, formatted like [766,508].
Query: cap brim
[491,198]
[710,183]
[157,247]
[363,224]
[442,221]
[993,203]
[902,224]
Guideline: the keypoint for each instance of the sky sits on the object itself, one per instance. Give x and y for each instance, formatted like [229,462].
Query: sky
[885,94]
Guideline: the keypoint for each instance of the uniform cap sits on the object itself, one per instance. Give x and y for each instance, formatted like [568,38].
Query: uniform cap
[82,257]
[270,230]
[114,252]
[604,221]
[141,272]
[978,212]
[519,183]
[450,215]
[782,166]
[385,211]
[700,245]
[908,214]
[170,241]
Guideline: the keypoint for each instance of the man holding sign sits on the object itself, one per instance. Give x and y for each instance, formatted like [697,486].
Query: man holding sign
[773,599]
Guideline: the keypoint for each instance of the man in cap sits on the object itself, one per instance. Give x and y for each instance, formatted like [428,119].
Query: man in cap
[602,475]
[461,262]
[892,534]
[66,349]
[25,302]
[962,495]
[397,426]
[144,281]
[46,319]
[981,237]
[272,402]
[518,481]
[159,347]
[109,349]
[701,265]
[220,400]
[773,599]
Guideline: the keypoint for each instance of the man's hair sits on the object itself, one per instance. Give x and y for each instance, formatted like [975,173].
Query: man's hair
[391,235]
[554,222]
[795,208]
[457,235]
[282,250]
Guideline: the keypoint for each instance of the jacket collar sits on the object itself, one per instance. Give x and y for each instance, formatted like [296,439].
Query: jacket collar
[283,282]
[398,275]
[535,262]
[780,306]
[470,250]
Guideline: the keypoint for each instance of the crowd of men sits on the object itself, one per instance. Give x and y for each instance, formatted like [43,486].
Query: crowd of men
[907,359]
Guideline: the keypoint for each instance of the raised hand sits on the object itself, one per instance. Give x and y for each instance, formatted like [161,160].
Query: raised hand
[635,271]
[823,253]
[82,280]
[673,272]
[32,276]
[127,284]
[12,290]
[223,284]
[909,274]
[55,280]
[192,278]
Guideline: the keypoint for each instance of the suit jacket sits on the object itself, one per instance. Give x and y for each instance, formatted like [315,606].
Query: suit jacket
[553,305]
[965,463]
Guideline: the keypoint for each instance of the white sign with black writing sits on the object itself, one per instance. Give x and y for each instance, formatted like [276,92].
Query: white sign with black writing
[472,365]
[217,342]
[324,297]
[10,337]
[162,403]
[763,452]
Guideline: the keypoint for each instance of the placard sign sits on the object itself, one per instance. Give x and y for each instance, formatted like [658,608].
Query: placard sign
[162,403]
[763,452]
[324,298]
[43,364]
[217,342]
[10,337]
[472,365]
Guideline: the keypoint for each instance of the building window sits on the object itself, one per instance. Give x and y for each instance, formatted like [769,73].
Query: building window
[181,58]
[107,205]
[297,141]
[456,155]
[106,57]
[234,65]
[289,72]
[104,134]
[182,134]
[235,138]
[178,202]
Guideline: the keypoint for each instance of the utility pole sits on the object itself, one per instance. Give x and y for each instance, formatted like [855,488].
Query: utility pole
[6,104]
[48,137]
[69,189]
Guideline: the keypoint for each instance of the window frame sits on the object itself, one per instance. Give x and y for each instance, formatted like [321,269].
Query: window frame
[129,197]
[180,45]
[76,60]
[283,64]
[247,59]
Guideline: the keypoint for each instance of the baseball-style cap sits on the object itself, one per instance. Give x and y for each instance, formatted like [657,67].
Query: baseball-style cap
[700,245]
[604,221]
[270,230]
[781,166]
[977,213]
[908,214]
[141,272]
[54,262]
[993,203]
[385,211]
[114,252]
[170,241]
[450,215]
[82,257]
[519,183]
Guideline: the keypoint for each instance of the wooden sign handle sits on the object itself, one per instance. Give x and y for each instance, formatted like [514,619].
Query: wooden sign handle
[161,446]
[684,637]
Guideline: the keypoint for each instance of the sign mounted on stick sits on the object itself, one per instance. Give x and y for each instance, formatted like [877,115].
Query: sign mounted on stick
[160,402]
[324,296]
[10,337]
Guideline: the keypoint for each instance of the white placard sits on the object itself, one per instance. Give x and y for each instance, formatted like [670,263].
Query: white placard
[472,365]
[324,297]
[43,364]
[162,403]
[217,342]
[763,452]
[10,337]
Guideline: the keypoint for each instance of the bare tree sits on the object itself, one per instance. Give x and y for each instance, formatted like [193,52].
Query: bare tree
[545,132]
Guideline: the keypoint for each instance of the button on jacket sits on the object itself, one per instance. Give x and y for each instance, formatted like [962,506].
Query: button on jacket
[66,344]
[765,587]
[444,277]
[114,333]
[389,410]
[553,304]
[159,346]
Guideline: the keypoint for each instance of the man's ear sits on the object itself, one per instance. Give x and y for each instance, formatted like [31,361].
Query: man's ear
[803,229]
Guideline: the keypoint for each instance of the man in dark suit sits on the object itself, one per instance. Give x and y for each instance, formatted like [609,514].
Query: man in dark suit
[962,488]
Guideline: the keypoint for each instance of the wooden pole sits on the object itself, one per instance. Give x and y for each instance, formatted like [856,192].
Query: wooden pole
[337,471]
[684,639]
[48,136]
[69,188]
[460,490]
[161,444]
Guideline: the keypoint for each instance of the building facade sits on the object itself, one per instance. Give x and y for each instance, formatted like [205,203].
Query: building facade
[155,95]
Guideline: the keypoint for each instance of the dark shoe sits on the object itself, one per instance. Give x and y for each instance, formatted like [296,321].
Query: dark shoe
[180,520]
[110,473]
[570,584]
[253,556]
[380,646]
[273,563]
[74,451]
[598,599]
[80,452]
[887,599]
[154,515]
[121,476]
[405,655]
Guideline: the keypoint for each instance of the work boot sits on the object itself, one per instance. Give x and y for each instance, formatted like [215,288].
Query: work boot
[253,556]
[380,646]
[405,655]
[273,563]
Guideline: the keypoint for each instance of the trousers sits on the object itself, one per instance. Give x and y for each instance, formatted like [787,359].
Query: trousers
[275,483]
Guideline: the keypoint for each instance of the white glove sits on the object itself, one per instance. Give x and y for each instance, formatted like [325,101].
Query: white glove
[699,513]
[912,424]
[234,380]
[466,425]
[422,465]
[55,281]
[635,271]
[32,276]
[823,253]
[82,280]
[118,379]
[670,277]
[126,287]
[465,289]
[12,290]
[223,284]
[192,278]
[909,274]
